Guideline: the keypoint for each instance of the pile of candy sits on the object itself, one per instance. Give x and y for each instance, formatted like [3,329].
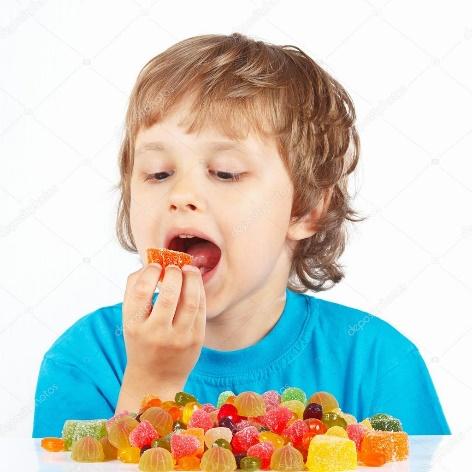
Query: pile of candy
[248,431]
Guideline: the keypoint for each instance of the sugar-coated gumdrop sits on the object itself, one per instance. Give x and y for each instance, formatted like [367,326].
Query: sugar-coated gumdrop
[327,401]
[287,458]
[262,450]
[295,406]
[201,419]
[129,455]
[52,444]
[156,459]
[293,393]
[296,431]
[250,404]
[355,433]
[271,399]
[198,433]
[211,435]
[183,445]
[166,257]
[277,418]
[391,444]
[87,449]
[384,422]
[313,410]
[331,453]
[244,439]
[250,463]
[76,429]
[223,396]
[218,459]
[160,419]
[143,435]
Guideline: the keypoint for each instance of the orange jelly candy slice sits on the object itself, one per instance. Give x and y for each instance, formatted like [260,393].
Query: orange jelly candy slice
[52,444]
[165,257]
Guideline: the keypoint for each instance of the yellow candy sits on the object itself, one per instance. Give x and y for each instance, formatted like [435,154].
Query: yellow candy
[296,406]
[130,455]
[350,419]
[331,454]
[275,439]
[367,424]
[327,401]
[250,404]
[188,463]
[188,410]
[337,431]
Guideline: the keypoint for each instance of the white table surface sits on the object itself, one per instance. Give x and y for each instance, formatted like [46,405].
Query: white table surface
[427,453]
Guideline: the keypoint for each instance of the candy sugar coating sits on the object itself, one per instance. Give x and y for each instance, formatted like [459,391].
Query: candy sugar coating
[262,450]
[220,432]
[143,435]
[156,459]
[327,401]
[77,429]
[198,433]
[223,396]
[87,449]
[393,445]
[183,445]
[296,406]
[201,419]
[293,393]
[250,404]
[271,399]
[276,419]
[331,454]
[356,433]
[244,439]
[161,419]
[287,458]
[218,459]
[166,257]
[384,422]
[296,431]
[53,444]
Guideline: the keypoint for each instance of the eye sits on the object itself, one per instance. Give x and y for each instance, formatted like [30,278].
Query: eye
[224,176]
[228,176]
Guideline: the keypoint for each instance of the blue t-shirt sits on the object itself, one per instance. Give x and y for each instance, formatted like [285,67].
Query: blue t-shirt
[315,345]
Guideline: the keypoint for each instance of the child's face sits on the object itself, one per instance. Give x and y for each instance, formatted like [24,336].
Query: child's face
[249,219]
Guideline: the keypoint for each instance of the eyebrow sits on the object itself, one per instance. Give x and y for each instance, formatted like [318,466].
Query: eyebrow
[213,146]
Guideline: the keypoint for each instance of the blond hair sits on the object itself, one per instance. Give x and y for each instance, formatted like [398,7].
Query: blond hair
[243,85]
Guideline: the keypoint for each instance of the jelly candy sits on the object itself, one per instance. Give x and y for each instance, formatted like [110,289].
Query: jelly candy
[218,459]
[296,431]
[198,433]
[183,445]
[228,411]
[277,418]
[162,442]
[356,432]
[188,411]
[262,450]
[295,406]
[110,451]
[143,435]
[227,423]
[276,439]
[223,443]
[76,429]
[244,439]
[52,444]
[327,401]
[250,463]
[188,463]
[120,431]
[271,399]
[150,400]
[393,445]
[384,422]
[250,404]
[211,435]
[223,396]
[293,393]
[161,419]
[156,459]
[331,454]
[166,257]
[337,431]
[87,449]
[182,398]
[316,426]
[333,419]
[313,410]
[287,458]
[201,419]
[129,455]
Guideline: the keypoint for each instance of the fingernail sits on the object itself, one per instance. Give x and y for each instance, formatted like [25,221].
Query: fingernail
[190,268]
[155,264]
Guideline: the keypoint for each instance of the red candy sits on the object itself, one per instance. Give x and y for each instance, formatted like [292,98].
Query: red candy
[296,431]
[277,418]
[244,439]
[143,435]
[356,432]
[263,451]
[183,445]
[228,410]
[200,419]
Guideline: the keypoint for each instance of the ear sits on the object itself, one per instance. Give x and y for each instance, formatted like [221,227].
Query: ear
[307,225]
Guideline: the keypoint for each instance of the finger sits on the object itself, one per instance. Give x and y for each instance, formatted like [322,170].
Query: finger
[163,311]
[199,324]
[140,288]
[189,302]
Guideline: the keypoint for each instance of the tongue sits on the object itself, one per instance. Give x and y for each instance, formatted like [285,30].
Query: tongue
[204,255]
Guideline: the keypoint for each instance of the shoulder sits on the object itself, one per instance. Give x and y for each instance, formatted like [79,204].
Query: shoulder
[352,326]
[102,326]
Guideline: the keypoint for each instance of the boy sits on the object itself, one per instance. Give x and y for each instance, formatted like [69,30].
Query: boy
[237,152]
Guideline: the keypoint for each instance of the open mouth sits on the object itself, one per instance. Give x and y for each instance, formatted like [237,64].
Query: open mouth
[205,254]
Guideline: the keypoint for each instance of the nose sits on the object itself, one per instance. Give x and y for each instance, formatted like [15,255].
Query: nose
[183,195]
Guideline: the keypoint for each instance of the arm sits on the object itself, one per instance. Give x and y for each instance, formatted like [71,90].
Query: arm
[65,392]
[406,391]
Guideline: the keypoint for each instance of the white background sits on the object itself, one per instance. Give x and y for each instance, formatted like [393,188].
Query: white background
[67,68]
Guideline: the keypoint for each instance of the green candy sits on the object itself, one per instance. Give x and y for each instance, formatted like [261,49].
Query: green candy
[223,396]
[293,393]
[182,398]
[250,463]
[162,442]
[333,419]
[384,422]
[77,429]
[223,443]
